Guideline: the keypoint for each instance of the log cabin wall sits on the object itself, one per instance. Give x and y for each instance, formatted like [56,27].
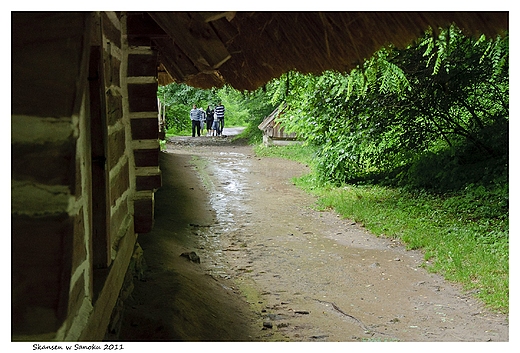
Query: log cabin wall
[113,235]
[82,143]
[142,108]
[50,210]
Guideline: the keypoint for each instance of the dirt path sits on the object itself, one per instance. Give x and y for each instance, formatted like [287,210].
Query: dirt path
[274,269]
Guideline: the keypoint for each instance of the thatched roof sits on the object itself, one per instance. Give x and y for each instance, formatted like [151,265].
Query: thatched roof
[247,49]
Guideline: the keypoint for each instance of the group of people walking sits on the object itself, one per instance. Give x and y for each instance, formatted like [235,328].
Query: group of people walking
[212,118]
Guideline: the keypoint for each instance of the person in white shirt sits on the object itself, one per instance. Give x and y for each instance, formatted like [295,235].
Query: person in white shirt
[195,117]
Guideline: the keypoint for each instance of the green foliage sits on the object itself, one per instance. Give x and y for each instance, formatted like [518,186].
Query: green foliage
[442,95]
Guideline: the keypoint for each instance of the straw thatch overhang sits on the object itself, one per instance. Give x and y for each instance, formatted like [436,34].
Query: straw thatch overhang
[247,49]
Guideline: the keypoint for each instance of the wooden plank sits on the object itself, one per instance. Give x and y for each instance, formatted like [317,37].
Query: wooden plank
[98,135]
[46,59]
[174,60]
[209,16]
[195,37]
[140,24]
[225,30]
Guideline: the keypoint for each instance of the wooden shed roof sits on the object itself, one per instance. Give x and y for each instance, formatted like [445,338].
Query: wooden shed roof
[270,118]
[247,49]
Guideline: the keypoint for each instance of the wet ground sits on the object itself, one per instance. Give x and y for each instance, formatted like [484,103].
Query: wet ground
[272,268]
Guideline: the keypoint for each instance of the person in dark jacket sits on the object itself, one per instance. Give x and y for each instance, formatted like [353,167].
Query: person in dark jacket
[209,119]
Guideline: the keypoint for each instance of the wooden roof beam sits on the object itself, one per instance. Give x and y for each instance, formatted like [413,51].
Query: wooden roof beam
[195,37]
[210,16]
[178,65]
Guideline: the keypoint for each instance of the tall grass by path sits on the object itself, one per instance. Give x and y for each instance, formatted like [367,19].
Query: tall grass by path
[464,248]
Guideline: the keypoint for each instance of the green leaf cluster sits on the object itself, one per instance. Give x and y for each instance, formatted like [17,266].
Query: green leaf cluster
[405,115]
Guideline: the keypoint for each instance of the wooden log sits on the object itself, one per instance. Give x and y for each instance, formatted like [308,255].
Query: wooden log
[196,39]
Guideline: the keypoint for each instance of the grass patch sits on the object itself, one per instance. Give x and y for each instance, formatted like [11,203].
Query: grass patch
[302,154]
[467,245]
[473,253]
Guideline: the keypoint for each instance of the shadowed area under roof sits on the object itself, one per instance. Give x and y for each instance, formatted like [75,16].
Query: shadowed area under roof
[247,49]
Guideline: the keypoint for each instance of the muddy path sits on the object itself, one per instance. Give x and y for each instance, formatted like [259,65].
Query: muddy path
[272,268]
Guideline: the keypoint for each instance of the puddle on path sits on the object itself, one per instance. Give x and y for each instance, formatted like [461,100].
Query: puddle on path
[222,173]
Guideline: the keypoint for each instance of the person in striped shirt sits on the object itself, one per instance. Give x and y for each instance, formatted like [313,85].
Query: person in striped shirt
[219,115]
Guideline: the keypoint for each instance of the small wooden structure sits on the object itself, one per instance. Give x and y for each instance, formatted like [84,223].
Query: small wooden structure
[274,133]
